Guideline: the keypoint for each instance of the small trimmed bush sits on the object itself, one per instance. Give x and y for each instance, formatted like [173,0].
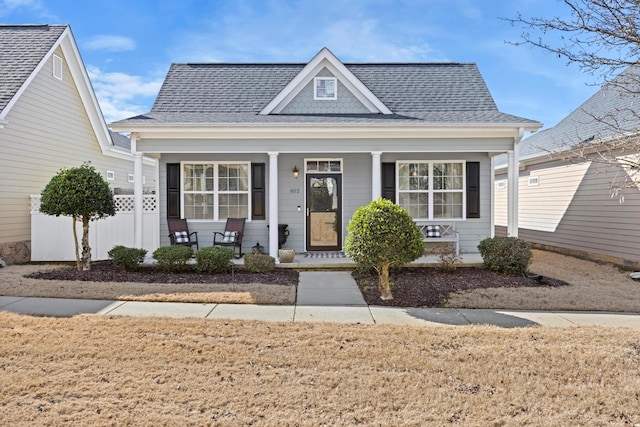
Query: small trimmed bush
[382,235]
[129,259]
[216,259]
[173,258]
[506,255]
[258,263]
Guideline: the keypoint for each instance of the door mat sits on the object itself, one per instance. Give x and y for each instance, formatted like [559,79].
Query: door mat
[339,254]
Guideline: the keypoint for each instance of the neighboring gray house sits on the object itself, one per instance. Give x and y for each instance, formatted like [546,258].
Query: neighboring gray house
[566,203]
[49,119]
[307,144]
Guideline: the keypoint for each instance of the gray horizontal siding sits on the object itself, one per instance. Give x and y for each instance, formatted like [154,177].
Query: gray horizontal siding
[356,190]
[577,199]
[47,129]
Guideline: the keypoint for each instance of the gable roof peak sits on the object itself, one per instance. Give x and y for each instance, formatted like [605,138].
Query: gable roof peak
[326,59]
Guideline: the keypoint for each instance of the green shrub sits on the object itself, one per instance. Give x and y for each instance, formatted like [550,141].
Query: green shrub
[216,259]
[82,194]
[173,258]
[382,235]
[127,258]
[506,255]
[258,263]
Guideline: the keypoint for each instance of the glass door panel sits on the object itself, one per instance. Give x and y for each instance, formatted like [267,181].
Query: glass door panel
[324,212]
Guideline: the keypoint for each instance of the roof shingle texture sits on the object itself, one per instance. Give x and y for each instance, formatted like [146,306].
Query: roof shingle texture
[610,112]
[22,47]
[235,93]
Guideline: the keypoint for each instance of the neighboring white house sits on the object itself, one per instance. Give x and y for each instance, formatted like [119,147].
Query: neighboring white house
[49,119]
[307,144]
[567,204]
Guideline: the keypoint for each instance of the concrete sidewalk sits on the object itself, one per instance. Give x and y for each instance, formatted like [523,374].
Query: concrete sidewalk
[331,296]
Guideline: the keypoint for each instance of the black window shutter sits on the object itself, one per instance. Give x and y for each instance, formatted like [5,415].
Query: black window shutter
[473,189]
[389,181]
[173,190]
[258,190]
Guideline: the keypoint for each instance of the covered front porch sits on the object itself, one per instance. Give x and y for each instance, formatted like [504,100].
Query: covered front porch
[355,174]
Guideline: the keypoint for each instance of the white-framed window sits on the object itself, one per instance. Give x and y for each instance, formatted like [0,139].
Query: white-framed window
[130,177]
[432,189]
[111,175]
[57,67]
[534,181]
[325,88]
[215,191]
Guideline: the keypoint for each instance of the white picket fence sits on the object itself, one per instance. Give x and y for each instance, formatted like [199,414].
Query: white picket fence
[52,237]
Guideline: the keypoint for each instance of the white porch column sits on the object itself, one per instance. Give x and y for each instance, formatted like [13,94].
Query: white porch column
[513,182]
[137,195]
[273,204]
[376,177]
[492,188]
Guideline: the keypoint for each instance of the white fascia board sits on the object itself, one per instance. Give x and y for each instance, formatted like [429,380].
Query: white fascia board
[85,89]
[315,131]
[124,154]
[81,79]
[28,80]
[325,58]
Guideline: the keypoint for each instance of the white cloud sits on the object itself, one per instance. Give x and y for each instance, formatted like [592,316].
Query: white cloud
[7,7]
[122,95]
[110,43]
[350,40]
[364,41]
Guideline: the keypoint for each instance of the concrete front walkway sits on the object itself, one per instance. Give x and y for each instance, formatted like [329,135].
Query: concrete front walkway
[328,296]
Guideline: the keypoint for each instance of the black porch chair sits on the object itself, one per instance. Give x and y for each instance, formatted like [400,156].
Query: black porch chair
[232,235]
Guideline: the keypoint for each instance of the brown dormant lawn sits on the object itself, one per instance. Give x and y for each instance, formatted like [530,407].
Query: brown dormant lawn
[593,286]
[105,370]
[100,370]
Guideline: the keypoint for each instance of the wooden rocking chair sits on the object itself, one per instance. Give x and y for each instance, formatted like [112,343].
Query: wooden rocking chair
[232,236]
[179,233]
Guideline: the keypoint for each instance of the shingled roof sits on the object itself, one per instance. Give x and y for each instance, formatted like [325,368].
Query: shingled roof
[236,93]
[22,47]
[611,112]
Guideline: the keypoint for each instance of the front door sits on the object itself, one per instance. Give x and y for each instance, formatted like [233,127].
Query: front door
[324,212]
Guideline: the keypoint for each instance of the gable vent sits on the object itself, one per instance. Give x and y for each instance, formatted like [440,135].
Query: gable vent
[57,67]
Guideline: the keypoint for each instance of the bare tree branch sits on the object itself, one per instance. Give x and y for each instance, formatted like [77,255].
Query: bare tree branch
[602,37]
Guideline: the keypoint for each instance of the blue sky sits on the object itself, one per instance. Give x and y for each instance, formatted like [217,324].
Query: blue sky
[128,45]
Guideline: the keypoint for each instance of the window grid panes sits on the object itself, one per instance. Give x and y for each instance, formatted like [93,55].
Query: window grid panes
[431,190]
[329,166]
[325,88]
[215,191]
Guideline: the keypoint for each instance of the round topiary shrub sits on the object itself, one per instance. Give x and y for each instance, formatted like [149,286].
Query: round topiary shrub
[173,258]
[383,235]
[506,255]
[129,259]
[216,259]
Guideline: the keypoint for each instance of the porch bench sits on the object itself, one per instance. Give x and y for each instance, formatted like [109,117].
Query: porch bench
[439,231]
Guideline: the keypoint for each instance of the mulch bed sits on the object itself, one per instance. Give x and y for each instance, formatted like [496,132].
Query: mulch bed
[412,287]
[430,287]
[104,271]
